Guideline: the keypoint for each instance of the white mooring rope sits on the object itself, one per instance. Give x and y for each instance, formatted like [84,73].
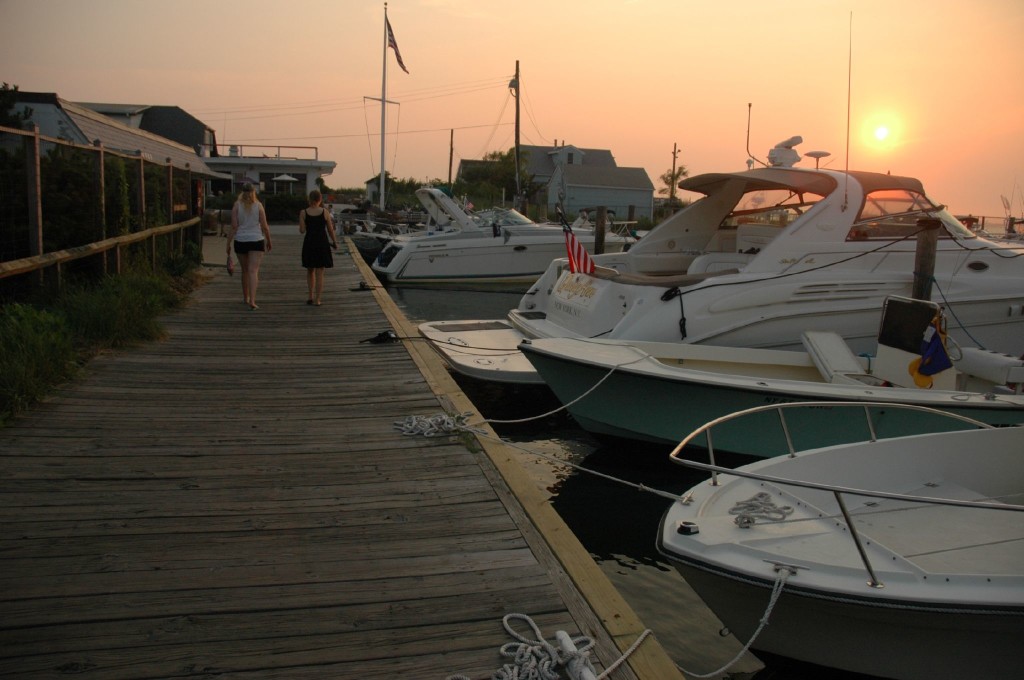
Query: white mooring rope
[538,659]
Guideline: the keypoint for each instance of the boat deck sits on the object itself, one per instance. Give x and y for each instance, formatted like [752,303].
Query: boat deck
[236,501]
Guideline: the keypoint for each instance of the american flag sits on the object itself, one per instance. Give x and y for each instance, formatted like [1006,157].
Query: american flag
[394,45]
[579,258]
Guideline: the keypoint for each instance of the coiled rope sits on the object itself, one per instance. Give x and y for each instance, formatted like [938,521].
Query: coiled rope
[537,659]
[759,506]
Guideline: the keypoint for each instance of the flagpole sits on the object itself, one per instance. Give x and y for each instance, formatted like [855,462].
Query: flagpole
[383,105]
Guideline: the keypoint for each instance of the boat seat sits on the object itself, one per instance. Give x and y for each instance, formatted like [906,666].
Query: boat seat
[996,368]
[832,357]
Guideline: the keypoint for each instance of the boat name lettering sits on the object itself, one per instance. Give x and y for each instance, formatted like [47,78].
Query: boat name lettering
[575,287]
[568,310]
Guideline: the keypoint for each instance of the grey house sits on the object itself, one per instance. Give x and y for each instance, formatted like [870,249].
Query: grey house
[586,179]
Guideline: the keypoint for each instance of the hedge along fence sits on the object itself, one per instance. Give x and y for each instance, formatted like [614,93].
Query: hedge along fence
[62,202]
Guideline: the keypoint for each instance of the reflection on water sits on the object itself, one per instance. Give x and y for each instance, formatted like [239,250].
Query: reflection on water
[615,522]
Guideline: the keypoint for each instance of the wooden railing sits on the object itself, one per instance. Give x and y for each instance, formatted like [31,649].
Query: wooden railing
[113,219]
[26,265]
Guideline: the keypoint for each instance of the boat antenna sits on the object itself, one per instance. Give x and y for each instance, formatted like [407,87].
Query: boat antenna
[849,80]
[750,163]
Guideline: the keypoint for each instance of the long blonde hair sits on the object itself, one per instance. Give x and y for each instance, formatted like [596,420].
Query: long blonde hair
[248,197]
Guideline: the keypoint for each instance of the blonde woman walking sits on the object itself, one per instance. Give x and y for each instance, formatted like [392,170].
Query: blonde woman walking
[316,223]
[250,235]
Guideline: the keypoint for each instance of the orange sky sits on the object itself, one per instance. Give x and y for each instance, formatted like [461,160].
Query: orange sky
[945,77]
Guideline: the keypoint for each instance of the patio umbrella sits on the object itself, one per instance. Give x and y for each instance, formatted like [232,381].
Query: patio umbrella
[284,178]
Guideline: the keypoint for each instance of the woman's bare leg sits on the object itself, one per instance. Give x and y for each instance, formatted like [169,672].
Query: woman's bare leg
[253,275]
[319,283]
[243,263]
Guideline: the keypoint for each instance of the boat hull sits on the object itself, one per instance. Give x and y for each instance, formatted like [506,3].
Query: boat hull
[900,558]
[482,349]
[889,640]
[629,396]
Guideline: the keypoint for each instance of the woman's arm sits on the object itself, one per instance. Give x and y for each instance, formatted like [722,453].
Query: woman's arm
[234,226]
[302,222]
[265,227]
[330,229]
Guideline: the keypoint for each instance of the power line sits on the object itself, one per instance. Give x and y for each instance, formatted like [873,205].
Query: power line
[367,134]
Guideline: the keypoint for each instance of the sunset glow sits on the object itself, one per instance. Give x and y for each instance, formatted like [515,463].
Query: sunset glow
[635,77]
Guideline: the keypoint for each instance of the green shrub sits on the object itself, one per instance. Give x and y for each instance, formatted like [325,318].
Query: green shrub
[36,353]
[119,312]
[41,348]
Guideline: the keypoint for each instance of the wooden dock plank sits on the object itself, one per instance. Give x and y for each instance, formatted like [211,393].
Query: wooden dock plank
[235,500]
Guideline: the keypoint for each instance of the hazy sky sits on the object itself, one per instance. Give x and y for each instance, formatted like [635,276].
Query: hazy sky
[945,77]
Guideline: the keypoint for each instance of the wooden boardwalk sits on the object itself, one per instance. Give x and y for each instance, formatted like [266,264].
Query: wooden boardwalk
[235,502]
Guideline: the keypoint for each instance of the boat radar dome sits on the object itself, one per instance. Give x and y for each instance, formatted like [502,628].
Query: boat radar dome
[783,155]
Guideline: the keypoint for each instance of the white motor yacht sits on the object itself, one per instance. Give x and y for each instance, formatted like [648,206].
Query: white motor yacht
[765,256]
[497,246]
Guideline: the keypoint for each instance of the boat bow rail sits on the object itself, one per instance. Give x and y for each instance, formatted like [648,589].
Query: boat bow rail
[746,519]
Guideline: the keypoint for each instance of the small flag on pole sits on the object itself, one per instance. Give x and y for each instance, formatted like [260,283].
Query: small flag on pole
[394,45]
[579,258]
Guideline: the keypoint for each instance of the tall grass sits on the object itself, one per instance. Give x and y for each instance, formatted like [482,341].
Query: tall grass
[36,353]
[43,345]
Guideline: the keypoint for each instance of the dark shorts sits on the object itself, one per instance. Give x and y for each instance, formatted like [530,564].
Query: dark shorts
[243,247]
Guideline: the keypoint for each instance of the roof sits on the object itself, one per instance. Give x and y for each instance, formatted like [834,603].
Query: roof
[540,158]
[170,122]
[88,126]
[610,178]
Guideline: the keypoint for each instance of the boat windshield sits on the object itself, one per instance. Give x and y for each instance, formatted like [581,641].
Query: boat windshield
[890,214]
[773,207]
[503,217]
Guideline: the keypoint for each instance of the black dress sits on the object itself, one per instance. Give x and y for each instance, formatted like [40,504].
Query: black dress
[316,249]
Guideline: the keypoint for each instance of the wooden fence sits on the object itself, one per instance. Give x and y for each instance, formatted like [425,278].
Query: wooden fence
[62,202]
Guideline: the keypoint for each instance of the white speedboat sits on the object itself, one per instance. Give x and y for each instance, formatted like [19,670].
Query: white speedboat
[497,246]
[658,392]
[899,558]
[764,256]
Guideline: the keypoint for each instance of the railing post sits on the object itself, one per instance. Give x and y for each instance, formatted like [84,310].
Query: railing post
[101,195]
[35,198]
[142,192]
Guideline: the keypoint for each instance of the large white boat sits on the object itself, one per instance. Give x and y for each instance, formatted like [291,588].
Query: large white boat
[898,558]
[487,247]
[764,256]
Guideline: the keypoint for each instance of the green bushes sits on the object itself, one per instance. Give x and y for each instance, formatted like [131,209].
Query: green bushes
[41,347]
[36,353]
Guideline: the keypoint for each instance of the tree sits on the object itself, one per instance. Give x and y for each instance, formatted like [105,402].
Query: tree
[671,180]
[9,117]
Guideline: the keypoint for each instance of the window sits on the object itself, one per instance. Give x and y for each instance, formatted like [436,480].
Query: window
[774,207]
[890,214]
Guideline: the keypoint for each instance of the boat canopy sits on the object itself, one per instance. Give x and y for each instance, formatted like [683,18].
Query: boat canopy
[799,181]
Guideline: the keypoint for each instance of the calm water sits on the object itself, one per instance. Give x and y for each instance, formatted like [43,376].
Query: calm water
[616,523]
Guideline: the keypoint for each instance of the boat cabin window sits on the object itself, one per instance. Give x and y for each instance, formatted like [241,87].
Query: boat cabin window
[770,207]
[890,214]
[499,216]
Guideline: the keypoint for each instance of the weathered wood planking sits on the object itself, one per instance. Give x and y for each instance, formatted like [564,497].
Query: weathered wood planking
[236,501]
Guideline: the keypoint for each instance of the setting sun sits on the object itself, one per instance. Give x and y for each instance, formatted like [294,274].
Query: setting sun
[881,132]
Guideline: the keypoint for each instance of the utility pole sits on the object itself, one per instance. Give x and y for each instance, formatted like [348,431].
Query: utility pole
[514,87]
[672,184]
[451,156]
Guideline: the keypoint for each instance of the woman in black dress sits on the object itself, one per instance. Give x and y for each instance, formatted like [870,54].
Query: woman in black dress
[316,223]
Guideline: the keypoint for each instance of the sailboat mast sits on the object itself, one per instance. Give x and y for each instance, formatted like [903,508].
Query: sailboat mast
[383,105]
